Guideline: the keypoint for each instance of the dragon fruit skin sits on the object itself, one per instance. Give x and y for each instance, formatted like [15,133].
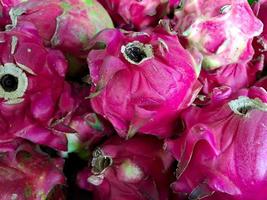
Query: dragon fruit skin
[221,30]
[89,128]
[260,42]
[84,128]
[29,174]
[10,145]
[236,76]
[222,152]
[143,97]
[33,90]
[68,25]
[136,15]
[5,6]
[259,8]
[262,83]
[134,169]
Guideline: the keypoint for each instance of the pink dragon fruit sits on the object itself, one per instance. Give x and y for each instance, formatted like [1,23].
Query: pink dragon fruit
[134,169]
[141,80]
[68,25]
[136,15]
[236,76]
[29,174]
[88,128]
[32,88]
[222,154]
[83,128]
[221,30]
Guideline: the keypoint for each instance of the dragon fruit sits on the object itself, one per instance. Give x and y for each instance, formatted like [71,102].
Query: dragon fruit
[236,76]
[88,128]
[222,154]
[136,15]
[68,25]
[141,80]
[134,169]
[29,174]
[83,128]
[32,88]
[221,30]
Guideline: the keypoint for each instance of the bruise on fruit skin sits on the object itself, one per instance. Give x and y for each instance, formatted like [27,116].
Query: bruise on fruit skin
[136,52]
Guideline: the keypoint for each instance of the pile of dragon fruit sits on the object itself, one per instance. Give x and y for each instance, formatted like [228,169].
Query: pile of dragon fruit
[133,100]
